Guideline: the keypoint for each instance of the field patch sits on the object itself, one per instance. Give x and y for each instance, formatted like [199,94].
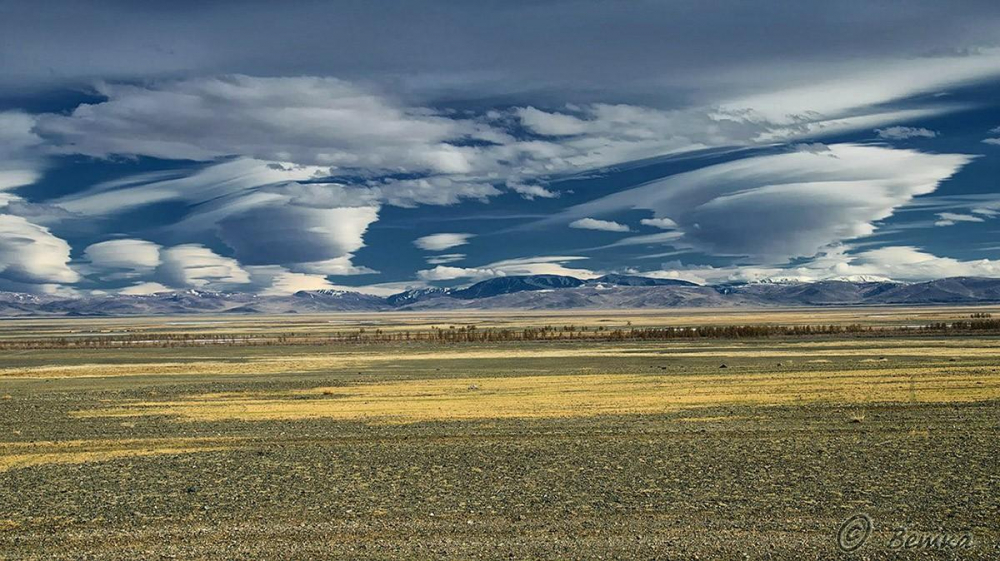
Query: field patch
[583,395]
[346,360]
[15,455]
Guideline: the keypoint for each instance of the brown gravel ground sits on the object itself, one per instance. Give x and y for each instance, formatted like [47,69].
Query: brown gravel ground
[716,482]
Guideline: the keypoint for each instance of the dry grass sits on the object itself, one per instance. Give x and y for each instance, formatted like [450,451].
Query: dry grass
[528,397]
[14,455]
[313,361]
[322,324]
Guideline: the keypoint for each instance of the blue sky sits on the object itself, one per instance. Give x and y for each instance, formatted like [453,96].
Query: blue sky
[150,147]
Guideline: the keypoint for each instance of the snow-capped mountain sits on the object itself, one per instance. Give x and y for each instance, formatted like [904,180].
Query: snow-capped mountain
[533,292]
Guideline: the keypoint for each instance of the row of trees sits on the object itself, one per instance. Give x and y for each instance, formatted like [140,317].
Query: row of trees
[472,334]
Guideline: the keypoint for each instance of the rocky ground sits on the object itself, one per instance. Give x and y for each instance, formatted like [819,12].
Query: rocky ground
[721,482]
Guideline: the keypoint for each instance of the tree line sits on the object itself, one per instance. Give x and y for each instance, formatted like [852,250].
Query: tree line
[473,334]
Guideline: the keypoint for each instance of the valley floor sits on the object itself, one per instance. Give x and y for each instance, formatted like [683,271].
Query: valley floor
[512,450]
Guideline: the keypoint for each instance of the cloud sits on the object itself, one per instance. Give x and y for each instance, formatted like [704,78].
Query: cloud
[468,51]
[409,193]
[774,208]
[444,273]
[30,253]
[531,192]
[594,224]
[662,223]
[309,128]
[290,283]
[813,147]
[273,234]
[194,265]
[256,208]
[544,265]
[385,288]
[913,264]
[550,124]
[901,263]
[993,141]
[901,133]
[298,168]
[441,242]
[338,266]
[647,239]
[144,288]
[445,258]
[218,182]
[306,120]
[20,164]
[826,93]
[124,254]
[950,218]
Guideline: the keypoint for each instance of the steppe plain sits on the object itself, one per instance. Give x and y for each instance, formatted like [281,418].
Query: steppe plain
[336,437]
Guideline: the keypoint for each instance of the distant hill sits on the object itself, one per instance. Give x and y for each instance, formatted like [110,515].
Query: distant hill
[635,280]
[510,285]
[527,292]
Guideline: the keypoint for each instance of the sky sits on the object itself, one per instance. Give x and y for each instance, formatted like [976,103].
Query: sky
[379,146]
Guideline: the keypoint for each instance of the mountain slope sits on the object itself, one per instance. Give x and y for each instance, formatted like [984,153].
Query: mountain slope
[510,285]
[528,292]
[635,280]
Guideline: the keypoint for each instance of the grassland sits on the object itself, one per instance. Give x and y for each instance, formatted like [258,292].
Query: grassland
[579,449]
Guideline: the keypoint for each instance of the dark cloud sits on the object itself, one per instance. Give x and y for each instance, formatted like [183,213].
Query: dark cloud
[480,48]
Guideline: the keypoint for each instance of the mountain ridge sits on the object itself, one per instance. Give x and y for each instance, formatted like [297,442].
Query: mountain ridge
[527,292]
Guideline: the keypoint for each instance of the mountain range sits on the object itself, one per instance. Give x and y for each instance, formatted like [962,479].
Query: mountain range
[528,292]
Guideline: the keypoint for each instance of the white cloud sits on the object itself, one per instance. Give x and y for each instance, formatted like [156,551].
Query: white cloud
[545,265]
[648,239]
[993,141]
[194,265]
[127,254]
[901,263]
[441,242]
[551,124]
[662,223]
[290,283]
[776,207]
[901,133]
[215,182]
[30,253]
[273,234]
[293,129]
[531,192]
[834,91]
[19,162]
[268,140]
[275,280]
[144,288]
[307,120]
[444,273]
[913,264]
[438,190]
[445,258]
[383,289]
[594,224]
[338,266]
[257,208]
[950,218]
